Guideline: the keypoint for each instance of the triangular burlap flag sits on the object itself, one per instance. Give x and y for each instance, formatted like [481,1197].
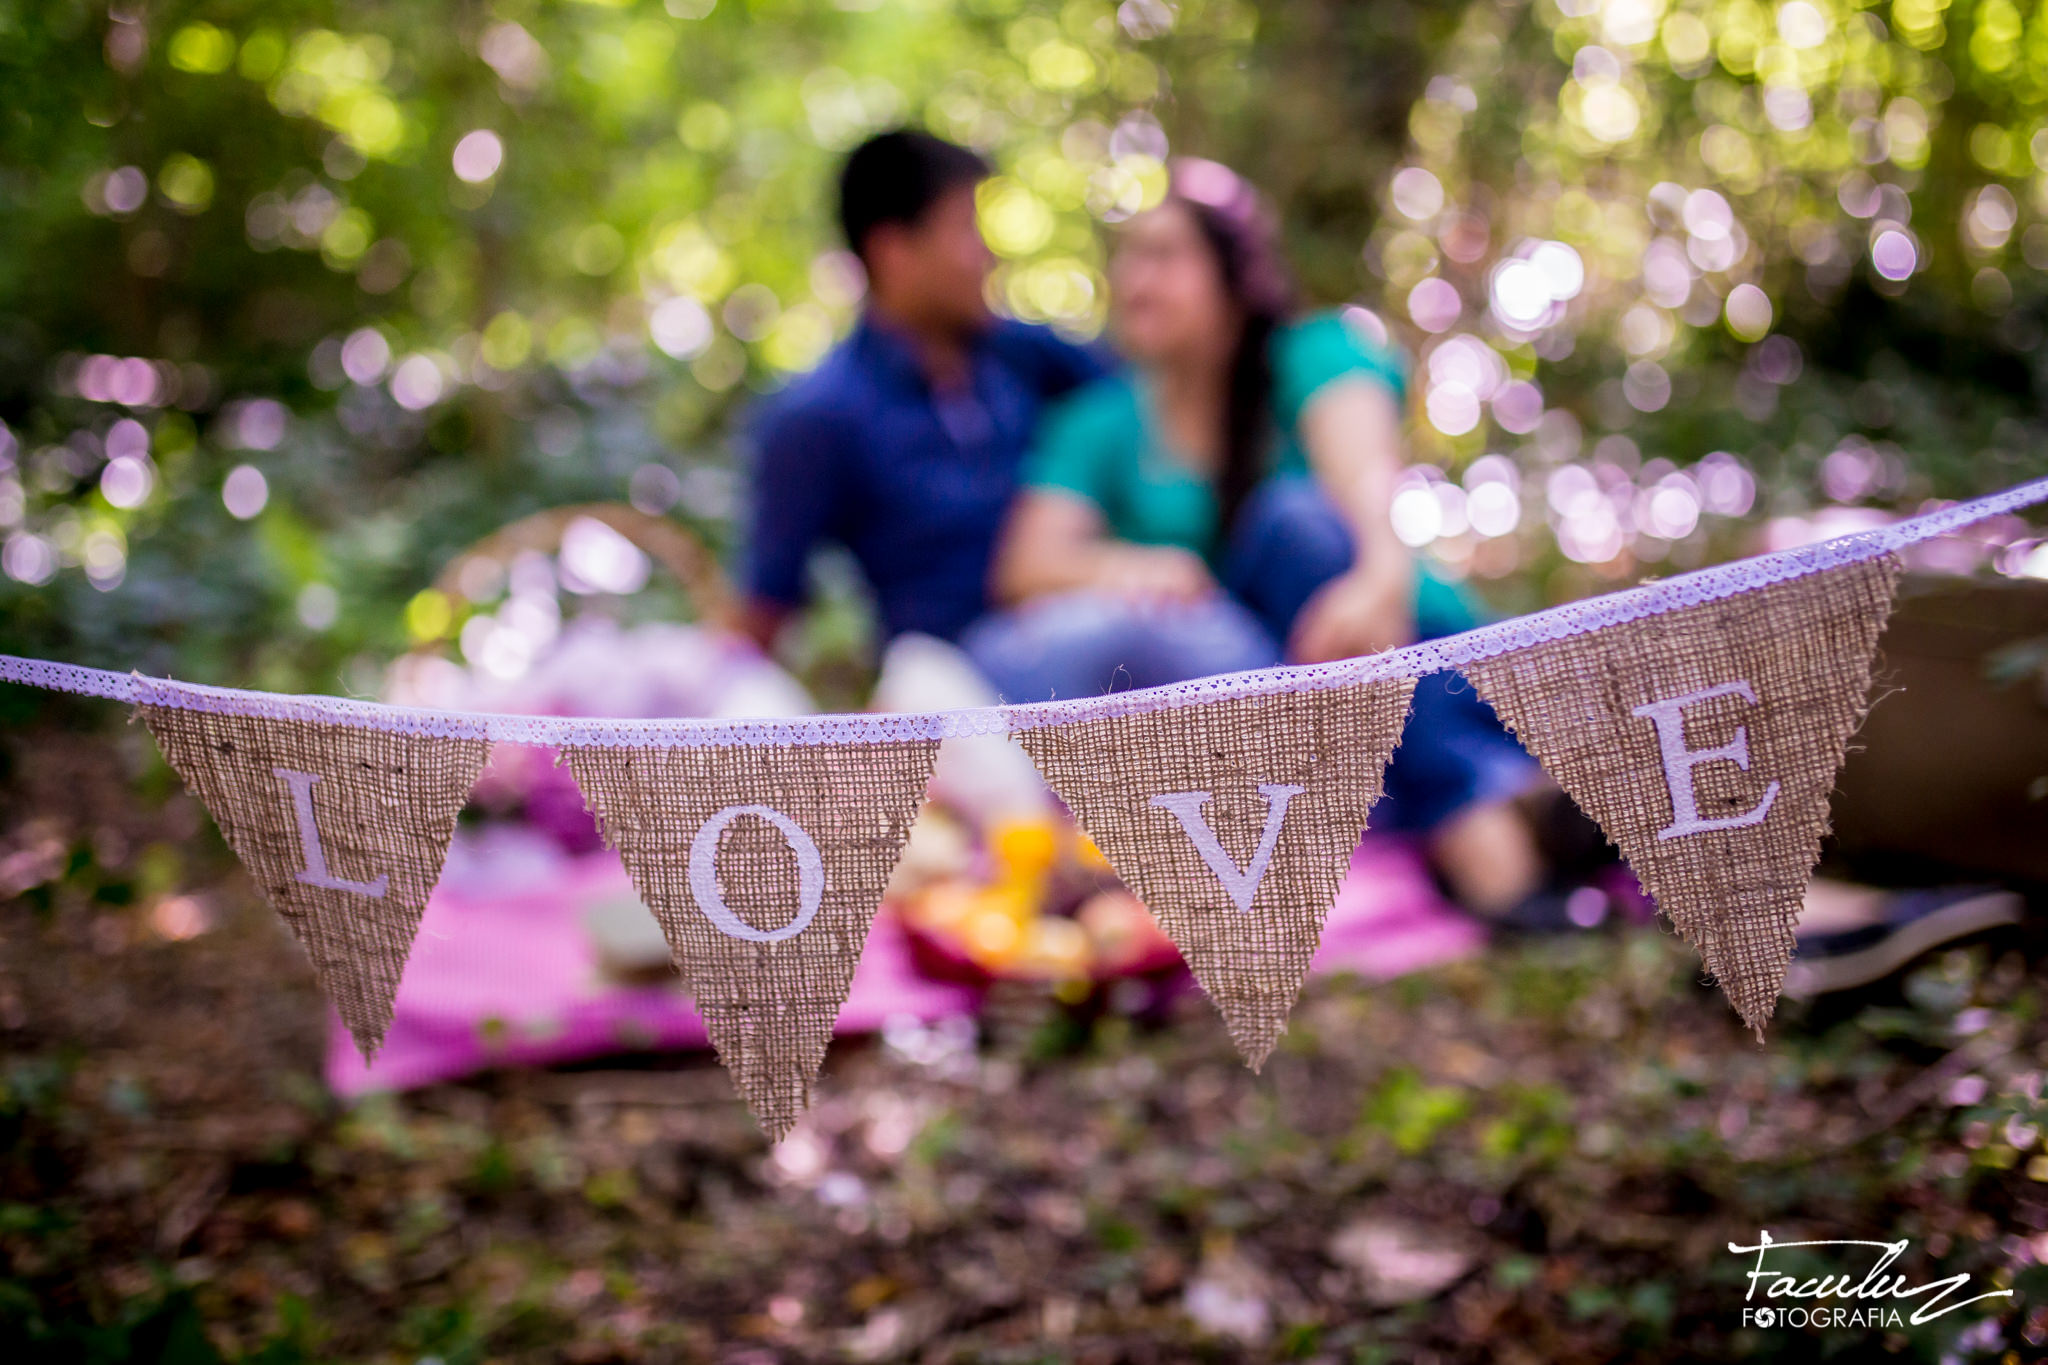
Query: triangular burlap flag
[1706,741]
[1234,821]
[343,829]
[764,864]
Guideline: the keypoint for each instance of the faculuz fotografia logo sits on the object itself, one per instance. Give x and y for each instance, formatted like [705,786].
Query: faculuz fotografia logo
[1866,1292]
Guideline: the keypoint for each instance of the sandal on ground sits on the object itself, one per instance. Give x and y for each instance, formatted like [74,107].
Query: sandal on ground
[1906,925]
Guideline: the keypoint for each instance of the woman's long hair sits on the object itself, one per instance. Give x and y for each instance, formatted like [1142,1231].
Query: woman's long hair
[1241,230]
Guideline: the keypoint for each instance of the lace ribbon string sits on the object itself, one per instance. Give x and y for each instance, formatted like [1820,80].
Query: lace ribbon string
[1430,656]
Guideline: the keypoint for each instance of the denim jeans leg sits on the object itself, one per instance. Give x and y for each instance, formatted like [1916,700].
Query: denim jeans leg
[1086,643]
[1454,754]
[1287,541]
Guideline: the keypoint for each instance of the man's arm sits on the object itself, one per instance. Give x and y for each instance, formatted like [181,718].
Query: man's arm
[794,476]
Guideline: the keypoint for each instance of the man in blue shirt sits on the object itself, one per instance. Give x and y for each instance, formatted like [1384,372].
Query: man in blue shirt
[904,444]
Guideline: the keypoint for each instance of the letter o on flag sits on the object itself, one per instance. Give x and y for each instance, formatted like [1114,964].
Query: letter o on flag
[810,875]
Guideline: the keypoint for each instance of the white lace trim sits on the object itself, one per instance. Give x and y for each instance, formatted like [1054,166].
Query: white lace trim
[1431,656]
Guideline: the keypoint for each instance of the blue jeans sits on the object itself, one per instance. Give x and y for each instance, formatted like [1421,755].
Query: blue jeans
[1286,543]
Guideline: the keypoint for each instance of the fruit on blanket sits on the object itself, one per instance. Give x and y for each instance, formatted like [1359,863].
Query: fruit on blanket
[1088,854]
[1025,850]
[939,848]
[1048,909]
[993,939]
[1123,933]
[1055,949]
[944,908]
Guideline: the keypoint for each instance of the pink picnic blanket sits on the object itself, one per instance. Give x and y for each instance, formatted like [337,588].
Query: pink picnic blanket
[507,972]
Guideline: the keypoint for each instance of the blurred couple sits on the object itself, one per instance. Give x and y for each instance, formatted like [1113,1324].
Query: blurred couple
[1212,498]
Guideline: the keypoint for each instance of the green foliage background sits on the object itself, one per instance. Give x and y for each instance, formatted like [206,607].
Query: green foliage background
[291,165]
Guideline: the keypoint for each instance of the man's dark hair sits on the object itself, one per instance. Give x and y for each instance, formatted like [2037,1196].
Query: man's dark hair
[894,177]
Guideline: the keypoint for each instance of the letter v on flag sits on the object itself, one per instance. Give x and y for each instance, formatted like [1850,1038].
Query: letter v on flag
[1240,883]
[1234,821]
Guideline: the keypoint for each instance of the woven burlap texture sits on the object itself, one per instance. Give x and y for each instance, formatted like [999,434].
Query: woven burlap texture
[768,1006]
[384,806]
[1332,744]
[1804,647]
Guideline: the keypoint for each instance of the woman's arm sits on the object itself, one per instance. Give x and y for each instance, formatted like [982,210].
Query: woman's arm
[1054,543]
[1351,429]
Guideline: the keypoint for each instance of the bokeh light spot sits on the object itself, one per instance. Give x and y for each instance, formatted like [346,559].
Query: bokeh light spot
[245,492]
[478,156]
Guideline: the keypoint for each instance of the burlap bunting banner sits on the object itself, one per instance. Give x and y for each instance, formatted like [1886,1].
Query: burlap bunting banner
[1706,742]
[764,865]
[1233,821]
[343,829]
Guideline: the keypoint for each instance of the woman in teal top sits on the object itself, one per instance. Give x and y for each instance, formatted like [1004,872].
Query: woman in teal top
[1223,505]
[1105,448]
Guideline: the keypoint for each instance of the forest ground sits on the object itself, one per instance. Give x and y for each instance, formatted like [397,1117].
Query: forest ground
[1539,1155]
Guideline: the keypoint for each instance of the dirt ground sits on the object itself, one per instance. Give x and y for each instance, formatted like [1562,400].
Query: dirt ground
[1541,1155]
